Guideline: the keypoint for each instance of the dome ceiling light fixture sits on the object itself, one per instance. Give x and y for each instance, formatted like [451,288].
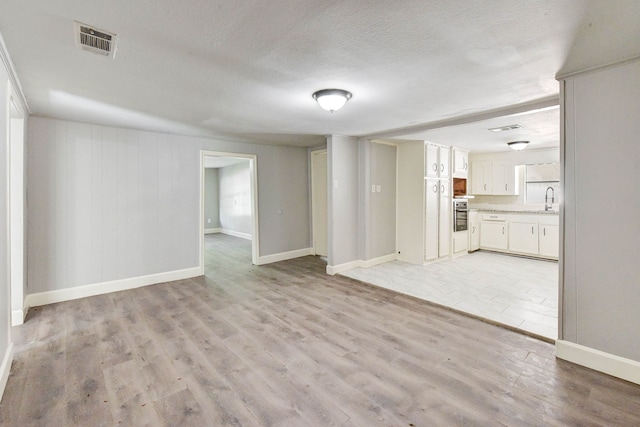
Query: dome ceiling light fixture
[518,145]
[332,99]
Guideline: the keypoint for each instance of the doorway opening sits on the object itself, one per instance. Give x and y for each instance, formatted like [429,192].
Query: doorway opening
[228,206]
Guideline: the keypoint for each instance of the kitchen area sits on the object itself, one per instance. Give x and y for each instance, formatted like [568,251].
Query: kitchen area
[478,227]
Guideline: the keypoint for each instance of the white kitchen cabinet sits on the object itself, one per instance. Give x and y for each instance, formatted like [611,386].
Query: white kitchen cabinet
[460,242]
[445,218]
[474,236]
[504,179]
[523,237]
[432,160]
[493,235]
[460,163]
[437,161]
[437,218]
[481,177]
[549,240]
[431,215]
[445,162]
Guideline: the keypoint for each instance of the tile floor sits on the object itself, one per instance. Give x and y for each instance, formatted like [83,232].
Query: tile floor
[518,292]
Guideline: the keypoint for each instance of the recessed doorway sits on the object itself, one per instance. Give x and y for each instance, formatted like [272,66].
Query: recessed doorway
[228,203]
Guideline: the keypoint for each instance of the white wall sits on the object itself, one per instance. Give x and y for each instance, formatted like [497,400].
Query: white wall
[342,171]
[410,225]
[382,231]
[5,320]
[602,211]
[234,184]
[9,87]
[108,203]
[211,199]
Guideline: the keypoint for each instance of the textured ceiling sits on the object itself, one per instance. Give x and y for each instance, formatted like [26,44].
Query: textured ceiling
[247,68]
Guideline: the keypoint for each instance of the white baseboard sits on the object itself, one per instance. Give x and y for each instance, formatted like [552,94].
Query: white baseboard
[610,364]
[228,232]
[17,317]
[236,234]
[283,256]
[379,260]
[59,295]
[336,269]
[5,368]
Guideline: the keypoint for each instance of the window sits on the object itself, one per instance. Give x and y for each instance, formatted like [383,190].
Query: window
[538,178]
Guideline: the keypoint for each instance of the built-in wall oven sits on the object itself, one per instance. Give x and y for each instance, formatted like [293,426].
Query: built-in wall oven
[460,215]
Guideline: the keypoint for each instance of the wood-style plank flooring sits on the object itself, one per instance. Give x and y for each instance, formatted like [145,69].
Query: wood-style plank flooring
[287,345]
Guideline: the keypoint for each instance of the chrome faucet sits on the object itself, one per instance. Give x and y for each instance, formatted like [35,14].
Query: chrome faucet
[548,206]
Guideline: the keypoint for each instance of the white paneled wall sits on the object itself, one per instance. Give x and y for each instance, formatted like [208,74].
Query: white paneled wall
[107,204]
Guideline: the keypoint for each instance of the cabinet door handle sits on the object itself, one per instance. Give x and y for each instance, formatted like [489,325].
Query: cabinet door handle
[442,189]
[505,187]
[485,186]
[441,167]
[502,229]
[435,167]
[544,231]
[435,188]
[531,230]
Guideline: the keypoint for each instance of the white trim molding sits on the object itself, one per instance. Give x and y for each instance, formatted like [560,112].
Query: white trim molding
[239,234]
[60,295]
[283,256]
[336,269]
[13,76]
[236,234]
[17,317]
[5,368]
[610,364]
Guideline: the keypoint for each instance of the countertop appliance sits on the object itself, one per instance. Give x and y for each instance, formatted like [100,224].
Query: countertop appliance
[460,215]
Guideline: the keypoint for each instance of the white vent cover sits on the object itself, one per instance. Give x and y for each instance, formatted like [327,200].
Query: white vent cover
[96,41]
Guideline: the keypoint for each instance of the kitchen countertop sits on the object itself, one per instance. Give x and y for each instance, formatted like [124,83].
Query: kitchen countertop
[537,212]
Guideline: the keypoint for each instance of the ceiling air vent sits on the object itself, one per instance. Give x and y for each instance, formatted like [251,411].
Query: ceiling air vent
[96,41]
[503,128]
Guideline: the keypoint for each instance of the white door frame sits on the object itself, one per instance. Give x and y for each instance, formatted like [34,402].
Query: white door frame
[253,171]
[16,229]
[313,219]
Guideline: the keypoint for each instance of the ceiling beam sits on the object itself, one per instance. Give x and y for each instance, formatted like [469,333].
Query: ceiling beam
[512,110]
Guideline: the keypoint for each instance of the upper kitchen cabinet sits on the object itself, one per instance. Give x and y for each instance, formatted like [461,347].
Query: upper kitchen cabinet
[436,161]
[494,177]
[505,178]
[481,182]
[460,163]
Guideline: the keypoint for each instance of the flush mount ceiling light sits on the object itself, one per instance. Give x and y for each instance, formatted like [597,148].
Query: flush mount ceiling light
[518,145]
[332,99]
[503,128]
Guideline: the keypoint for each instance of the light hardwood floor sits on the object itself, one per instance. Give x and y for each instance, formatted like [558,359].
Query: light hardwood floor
[518,292]
[287,345]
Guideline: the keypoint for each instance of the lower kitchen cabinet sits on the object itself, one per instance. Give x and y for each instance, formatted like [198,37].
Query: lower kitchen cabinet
[474,236]
[523,237]
[493,235]
[460,242]
[549,240]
